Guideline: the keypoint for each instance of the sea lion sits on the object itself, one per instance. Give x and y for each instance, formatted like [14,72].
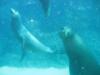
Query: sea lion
[45,4]
[81,58]
[26,38]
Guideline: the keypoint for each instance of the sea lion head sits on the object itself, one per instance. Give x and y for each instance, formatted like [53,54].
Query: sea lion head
[66,33]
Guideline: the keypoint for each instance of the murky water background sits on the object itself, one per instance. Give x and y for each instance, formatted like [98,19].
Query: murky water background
[81,15]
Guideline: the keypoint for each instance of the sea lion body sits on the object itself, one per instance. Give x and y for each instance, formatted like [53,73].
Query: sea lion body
[81,58]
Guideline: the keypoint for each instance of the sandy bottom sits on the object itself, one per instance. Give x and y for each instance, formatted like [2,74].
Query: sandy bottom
[32,71]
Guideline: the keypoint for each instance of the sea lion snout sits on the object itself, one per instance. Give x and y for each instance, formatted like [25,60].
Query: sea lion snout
[66,33]
[14,12]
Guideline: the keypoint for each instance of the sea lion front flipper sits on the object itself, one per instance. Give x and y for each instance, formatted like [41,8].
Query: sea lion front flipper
[23,53]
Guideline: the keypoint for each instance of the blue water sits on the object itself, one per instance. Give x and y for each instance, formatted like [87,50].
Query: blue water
[83,16]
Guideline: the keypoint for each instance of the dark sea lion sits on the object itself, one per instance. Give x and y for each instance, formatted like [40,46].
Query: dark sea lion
[81,58]
[45,4]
